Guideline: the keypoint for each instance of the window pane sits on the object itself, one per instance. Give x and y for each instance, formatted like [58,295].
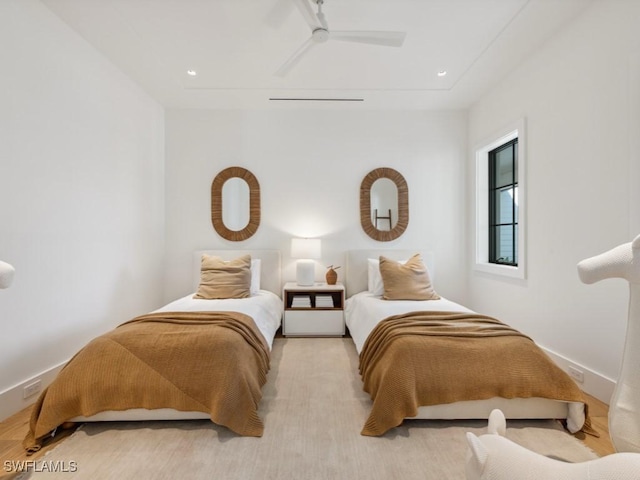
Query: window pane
[504,174]
[504,205]
[504,237]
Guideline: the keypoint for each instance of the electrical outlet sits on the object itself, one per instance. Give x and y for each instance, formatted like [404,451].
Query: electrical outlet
[32,389]
[576,374]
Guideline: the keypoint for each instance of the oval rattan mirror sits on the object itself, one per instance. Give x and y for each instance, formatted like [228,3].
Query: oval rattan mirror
[217,204]
[397,218]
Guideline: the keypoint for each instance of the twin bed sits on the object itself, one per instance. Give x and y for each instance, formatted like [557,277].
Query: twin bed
[208,358]
[448,363]
[193,358]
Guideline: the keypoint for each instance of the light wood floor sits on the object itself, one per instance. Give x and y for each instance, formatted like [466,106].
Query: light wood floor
[599,413]
[13,430]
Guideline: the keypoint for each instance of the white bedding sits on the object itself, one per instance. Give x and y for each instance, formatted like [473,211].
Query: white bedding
[364,310]
[265,308]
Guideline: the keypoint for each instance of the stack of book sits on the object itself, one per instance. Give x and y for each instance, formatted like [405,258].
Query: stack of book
[301,301]
[324,301]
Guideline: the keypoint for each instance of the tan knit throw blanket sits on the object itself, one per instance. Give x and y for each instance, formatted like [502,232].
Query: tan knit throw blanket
[213,362]
[429,358]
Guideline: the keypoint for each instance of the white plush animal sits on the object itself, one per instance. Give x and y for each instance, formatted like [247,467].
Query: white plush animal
[494,457]
[624,412]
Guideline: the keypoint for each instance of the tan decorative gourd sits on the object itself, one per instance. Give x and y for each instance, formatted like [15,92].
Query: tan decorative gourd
[332,275]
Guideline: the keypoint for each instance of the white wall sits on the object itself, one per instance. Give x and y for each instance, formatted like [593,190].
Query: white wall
[580,106]
[81,195]
[310,165]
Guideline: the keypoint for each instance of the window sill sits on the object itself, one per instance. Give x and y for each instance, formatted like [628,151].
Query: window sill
[501,270]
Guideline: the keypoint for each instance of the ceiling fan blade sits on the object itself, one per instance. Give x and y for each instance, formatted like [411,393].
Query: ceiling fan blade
[295,58]
[309,15]
[387,39]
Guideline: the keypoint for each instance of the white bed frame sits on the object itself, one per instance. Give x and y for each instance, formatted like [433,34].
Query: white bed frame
[270,279]
[517,408]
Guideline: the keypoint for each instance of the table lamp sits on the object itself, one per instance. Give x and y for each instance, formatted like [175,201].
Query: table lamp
[306,250]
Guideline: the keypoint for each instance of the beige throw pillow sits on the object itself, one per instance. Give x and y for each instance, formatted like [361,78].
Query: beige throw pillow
[220,279]
[408,281]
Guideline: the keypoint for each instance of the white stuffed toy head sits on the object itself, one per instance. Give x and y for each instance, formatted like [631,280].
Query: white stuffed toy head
[479,452]
[494,457]
[619,262]
[6,274]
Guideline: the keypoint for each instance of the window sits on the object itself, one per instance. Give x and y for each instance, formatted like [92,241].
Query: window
[500,194]
[503,204]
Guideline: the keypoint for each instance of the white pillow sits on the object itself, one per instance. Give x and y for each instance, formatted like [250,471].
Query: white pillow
[255,276]
[374,278]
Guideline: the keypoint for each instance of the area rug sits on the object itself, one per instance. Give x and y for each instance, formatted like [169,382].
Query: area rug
[313,408]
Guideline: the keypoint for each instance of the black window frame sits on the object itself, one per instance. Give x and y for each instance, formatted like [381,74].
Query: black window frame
[494,224]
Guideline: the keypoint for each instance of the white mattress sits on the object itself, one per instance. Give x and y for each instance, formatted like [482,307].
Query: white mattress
[265,308]
[364,310]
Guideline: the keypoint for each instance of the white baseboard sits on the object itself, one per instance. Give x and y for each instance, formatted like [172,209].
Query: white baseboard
[12,399]
[595,384]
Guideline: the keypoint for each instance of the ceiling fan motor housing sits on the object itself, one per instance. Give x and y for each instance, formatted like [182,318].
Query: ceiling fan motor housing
[320,35]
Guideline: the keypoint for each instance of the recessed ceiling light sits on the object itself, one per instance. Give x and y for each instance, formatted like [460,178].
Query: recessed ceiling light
[442,73]
[192,73]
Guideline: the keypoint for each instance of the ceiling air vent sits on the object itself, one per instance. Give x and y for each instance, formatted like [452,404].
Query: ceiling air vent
[296,99]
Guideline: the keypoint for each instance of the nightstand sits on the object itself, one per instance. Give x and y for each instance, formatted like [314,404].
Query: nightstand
[313,311]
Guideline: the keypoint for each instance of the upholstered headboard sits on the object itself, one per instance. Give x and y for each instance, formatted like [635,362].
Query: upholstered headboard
[356,272]
[270,278]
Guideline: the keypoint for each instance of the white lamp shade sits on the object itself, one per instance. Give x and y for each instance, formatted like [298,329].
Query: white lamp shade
[307,248]
[6,274]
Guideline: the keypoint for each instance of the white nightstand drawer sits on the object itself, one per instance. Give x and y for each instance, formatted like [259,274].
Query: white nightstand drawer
[313,322]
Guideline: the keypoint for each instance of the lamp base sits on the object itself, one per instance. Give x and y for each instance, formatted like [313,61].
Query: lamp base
[305,272]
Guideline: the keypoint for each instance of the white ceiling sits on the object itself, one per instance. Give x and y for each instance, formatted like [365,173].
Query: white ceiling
[236,46]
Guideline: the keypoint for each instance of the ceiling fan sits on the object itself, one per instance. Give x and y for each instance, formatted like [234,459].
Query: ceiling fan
[320,33]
